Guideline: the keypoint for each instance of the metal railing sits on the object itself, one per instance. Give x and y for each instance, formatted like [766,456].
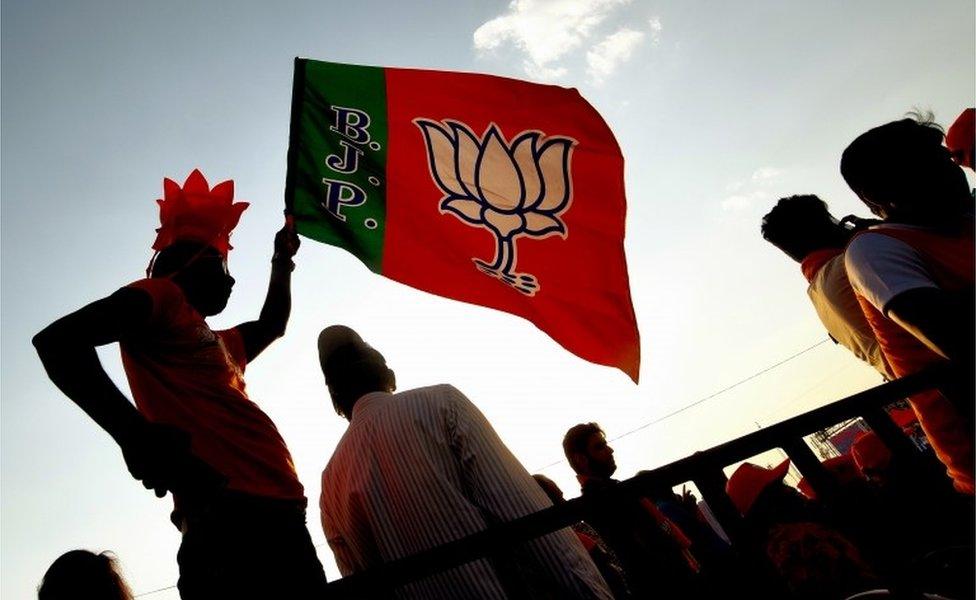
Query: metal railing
[704,469]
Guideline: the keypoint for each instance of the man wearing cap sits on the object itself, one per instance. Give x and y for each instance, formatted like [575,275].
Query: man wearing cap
[842,470]
[421,468]
[815,560]
[872,457]
[193,430]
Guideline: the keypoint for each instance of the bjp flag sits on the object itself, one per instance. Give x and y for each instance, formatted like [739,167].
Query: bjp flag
[483,189]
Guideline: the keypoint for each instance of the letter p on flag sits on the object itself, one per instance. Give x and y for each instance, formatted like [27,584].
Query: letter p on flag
[488,190]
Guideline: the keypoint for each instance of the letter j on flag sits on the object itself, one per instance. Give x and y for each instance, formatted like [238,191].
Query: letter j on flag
[483,189]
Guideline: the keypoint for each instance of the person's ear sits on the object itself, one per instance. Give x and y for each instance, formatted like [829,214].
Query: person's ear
[391,380]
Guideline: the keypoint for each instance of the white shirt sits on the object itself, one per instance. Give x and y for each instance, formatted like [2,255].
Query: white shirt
[834,300]
[881,267]
[424,467]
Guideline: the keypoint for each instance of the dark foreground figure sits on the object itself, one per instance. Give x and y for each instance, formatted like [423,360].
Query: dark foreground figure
[193,430]
[83,574]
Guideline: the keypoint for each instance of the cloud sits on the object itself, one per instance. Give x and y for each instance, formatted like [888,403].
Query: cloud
[744,201]
[748,192]
[545,30]
[656,28]
[766,175]
[735,186]
[604,58]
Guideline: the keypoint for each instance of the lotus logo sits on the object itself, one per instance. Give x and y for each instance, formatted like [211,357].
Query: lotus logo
[516,189]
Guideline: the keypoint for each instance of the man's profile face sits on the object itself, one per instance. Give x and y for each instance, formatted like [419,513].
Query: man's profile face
[210,281]
[599,455]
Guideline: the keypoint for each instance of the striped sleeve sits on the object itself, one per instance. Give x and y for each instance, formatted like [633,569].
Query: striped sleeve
[503,490]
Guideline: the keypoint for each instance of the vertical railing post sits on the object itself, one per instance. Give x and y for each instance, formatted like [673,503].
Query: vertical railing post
[902,448]
[810,466]
[753,564]
[918,465]
[711,483]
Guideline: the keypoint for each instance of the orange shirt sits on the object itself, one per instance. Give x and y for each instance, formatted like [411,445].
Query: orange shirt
[182,373]
[948,261]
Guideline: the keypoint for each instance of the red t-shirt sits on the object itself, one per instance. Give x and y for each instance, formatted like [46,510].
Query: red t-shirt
[182,373]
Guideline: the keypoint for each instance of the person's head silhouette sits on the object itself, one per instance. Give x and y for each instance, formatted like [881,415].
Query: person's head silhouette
[352,368]
[200,271]
[903,173]
[83,574]
[799,225]
[587,451]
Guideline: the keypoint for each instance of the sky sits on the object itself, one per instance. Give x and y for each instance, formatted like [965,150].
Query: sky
[719,108]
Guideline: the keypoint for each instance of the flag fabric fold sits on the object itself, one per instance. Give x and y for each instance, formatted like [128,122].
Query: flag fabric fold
[492,191]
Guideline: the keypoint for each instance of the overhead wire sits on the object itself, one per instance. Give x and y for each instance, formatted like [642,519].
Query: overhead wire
[704,399]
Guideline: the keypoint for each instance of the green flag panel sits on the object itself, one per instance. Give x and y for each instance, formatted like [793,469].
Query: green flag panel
[337,157]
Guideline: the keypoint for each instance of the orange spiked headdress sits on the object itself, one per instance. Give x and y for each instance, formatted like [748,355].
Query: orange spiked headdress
[196,212]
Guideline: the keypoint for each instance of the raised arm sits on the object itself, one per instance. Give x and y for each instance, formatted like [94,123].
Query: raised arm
[156,454]
[258,335]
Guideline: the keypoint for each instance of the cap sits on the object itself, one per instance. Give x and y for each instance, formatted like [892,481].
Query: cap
[842,468]
[340,346]
[750,480]
[869,452]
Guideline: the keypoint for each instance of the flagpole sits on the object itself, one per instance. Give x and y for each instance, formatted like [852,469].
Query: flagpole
[298,84]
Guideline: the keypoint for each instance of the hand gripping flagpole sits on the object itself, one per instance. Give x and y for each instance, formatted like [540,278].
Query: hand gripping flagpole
[298,85]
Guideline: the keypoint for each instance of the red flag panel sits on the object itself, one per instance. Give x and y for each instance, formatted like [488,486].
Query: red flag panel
[510,195]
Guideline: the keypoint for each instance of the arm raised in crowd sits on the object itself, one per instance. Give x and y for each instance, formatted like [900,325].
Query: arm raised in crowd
[270,325]
[153,452]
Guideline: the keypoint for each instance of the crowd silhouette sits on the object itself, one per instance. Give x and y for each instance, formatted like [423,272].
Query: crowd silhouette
[420,468]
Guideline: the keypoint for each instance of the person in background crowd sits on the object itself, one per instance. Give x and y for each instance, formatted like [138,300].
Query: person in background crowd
[603,557]
[961,139]
[803,228]
[926,523]
[194,431]
[843,470]
[872,457]
[655,554]
[865,514]
[82,574]
[914,273]
[815,560]
[423,467]
[713,554]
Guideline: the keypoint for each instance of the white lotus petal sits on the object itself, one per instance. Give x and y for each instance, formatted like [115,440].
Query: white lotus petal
[503,223]
[554,164]
[441,156]
[541,224]
[498,179]
[468,210]
[524,155]
[467,157]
